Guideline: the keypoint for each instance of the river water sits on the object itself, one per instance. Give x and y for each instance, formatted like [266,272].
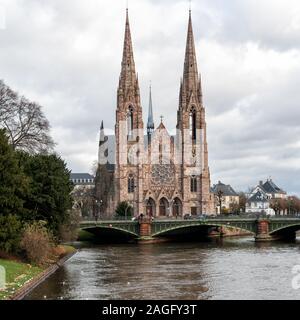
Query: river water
[232,268]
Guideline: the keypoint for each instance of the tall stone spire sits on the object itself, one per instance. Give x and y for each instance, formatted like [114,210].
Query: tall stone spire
[190,82]
[102,134]
[102,154]
[150,123]
[128,77]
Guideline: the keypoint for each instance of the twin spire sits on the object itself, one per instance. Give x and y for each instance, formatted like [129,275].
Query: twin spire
[128,77]
[190,82]
[190,72]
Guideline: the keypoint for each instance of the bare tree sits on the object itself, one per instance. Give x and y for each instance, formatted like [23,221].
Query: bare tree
[220,199]
[84,198]
[26,125]
[242,202]
[8,102]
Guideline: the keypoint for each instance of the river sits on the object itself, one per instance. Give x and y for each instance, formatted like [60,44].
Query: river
[230,268]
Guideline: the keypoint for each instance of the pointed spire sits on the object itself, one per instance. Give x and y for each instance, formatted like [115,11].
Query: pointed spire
[128,78]
[190,72]
[150,123]
[102,134]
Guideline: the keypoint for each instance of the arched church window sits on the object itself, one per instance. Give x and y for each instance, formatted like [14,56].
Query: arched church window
[193,129]
[130,122]
[130,183]
[194,184]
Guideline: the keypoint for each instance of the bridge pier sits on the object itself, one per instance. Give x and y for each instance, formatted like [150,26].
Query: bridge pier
[145,228]
[262,231]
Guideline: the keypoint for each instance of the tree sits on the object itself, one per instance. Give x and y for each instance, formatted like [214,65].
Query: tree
[26,125]
[242,202]
[37,242]
[234,208]
[10,233]
[278,205]
[8,101]
[13,181]
[293,205]
[84,198]
[124,209]
[50,187]
[219,196]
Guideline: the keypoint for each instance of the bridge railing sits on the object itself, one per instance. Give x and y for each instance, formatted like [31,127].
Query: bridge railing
[195,218]
[113,218]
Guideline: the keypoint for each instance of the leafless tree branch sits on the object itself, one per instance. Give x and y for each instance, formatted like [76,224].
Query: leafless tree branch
[24,121]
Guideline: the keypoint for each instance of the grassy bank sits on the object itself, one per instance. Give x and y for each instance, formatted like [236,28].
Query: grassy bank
[19,273]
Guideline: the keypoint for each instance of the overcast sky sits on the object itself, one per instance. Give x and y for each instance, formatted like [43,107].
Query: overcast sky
[66,55]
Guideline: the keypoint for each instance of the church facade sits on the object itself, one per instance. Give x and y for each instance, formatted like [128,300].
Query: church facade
[158,174]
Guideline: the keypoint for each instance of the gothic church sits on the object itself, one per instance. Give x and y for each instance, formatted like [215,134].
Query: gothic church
[157,174]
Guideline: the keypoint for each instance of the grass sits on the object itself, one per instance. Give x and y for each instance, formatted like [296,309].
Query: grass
[17,274]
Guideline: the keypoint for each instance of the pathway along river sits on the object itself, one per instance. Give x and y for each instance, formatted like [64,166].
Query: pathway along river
[232,268]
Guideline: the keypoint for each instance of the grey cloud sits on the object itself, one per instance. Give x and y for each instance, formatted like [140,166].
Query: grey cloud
[67,54]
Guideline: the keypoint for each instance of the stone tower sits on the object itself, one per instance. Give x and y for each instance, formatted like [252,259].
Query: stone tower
[191,137]
[129,129]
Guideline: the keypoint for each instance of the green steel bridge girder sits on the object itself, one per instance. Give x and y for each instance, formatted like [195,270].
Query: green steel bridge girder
[160,227]
[129,227]
[276,226]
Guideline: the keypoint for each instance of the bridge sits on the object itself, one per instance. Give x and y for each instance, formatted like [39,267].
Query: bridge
[262,228]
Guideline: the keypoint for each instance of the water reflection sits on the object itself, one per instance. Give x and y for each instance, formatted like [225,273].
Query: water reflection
[220,269]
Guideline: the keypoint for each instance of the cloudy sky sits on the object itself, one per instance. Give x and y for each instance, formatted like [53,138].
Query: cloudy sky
[66,54]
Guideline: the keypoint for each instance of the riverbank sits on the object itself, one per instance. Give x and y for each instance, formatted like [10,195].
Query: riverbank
[21,278]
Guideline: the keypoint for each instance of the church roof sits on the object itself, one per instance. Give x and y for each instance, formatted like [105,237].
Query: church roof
[227,190]
[81,176]
[161,126]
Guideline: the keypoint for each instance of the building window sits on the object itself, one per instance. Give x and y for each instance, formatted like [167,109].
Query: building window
[130,123]
[160,151]
[193,184]
[130,183]
[193,130]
